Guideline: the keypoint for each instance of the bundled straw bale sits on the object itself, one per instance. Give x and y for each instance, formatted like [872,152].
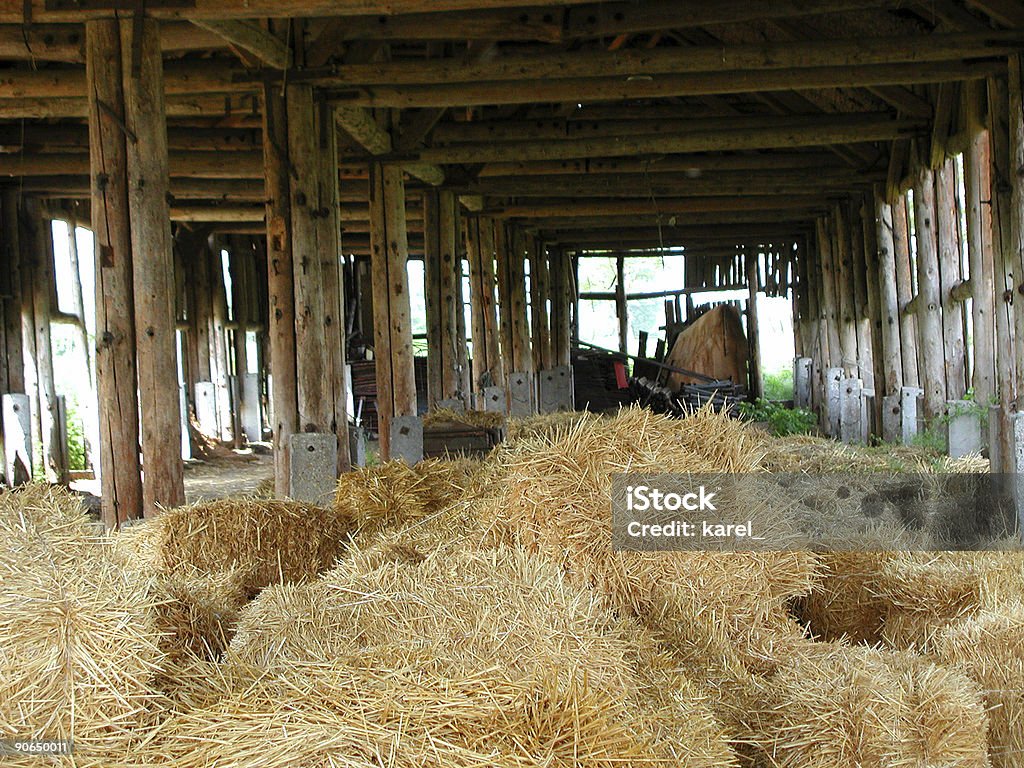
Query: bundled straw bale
[393,493]
[79,644]
[833,705]
[555,499]
[989,648]
[453,657]
[269,541]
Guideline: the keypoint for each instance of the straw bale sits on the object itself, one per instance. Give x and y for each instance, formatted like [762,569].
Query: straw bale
[79,644]
[390,494]
[989,648]
[833,705]
[270,541]
[481,419]
[451,657]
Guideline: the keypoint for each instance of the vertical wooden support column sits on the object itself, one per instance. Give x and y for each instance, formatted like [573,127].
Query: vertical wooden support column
[750,262]
[929,308]
[116,379]
[477,309]
[861,299]
[488,369]
[54,451]
[153,265]
[621,305]
[1016,266]
[241,255]
[1004,261]
[280,281]
[873,307]
[219,340]
[889,309]
[905,292]
[446,356]
[522,359]
[316,269]
[488,278]
[947,222]
[846,312]
[540,292]
[396,379]
[561,303]
[977,186]
[13,366]
[502,248]
[829,303]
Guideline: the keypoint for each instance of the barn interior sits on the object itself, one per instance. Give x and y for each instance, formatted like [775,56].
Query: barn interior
[403,249]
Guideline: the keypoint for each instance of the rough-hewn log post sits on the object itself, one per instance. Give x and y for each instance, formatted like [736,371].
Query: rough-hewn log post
[153,264]
[446,357]
[621,305]
[1016,147]
[873,306]
[561,306]
[750,261]
[905,292]
[947,221]
[1005,264]
[316,254]
[478,304]
[846,308]
[488,278]
[502,247]
[829,303]
[929,307]
[522,359]
[121,479]
[540,291]
[280,282]
[219,350]
[892,361]
[977,186]
[13,376]
[396,379]
[862,315]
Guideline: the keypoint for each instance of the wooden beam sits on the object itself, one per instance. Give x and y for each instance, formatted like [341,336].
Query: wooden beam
[362,127]
[664,206]
[981,267]
[66,42]
[446,353]
[540,320]
[116,377]
[180,78]
[250,36]
[1007,12]
[237,106]
[203,165]
[829,130]
[663,86]
[891,352]
[929,302]
[831,54]
[947,223]
[152,266]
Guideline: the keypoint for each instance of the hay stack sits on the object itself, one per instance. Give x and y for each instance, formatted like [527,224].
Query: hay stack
[393,493]
[452,657]
[79,645]
[268,541]
[833,705]
[555,498]
[989,648]
[480,419]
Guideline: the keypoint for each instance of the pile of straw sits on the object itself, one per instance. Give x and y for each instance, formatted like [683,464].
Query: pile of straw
[390,494]
[833,705]
[454,657]
[989,648]
[79,643]
[479,419]
[267,541]
[818,455]
[528,427]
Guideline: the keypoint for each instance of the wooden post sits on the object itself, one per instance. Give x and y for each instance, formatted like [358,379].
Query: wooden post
[153,264]
[977,186]
[1016,138]
[396,378]
[873,306]
[950,275]
[560,308]
[280,282]
[446,357]
[13,379]
[316,269]
[846,309]
[750,261]
[488,280]
[502,249]
[929,310]
[905,292]
[240,251]
[476,304]
[1004,260]
[219,341]
[116,379]
[540,291]
[521,357]
[621,307]
[889,309]
[829,304]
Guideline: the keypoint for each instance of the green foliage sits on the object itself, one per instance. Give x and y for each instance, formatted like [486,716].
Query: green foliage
[779,386]
[76,436]
[932,439]
[781,421]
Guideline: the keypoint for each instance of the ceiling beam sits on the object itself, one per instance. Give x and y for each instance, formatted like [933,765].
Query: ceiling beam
[66,42]
[250,36]
[361,126]
[689,165]
[636,63]
[570,207]
[234,106]
[695,84]
[828,130]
